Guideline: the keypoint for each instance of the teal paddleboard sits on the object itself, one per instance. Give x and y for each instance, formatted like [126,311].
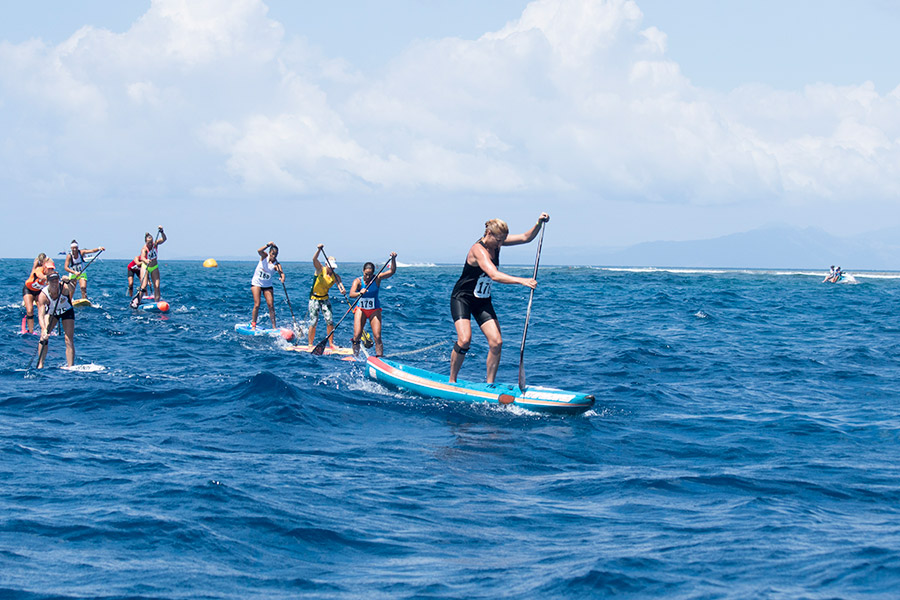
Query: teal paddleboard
[433,385]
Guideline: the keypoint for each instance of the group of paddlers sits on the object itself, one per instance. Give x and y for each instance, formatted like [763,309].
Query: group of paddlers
[54,294]
[471,296]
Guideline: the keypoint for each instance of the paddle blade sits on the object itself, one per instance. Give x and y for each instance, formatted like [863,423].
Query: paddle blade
[136,301]
[522,376]
[320,347]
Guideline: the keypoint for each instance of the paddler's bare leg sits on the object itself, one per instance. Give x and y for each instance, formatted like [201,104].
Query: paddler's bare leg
[358,324]
[28,299]
[330,328]
[270,301]
[69,329]
[145,279]
[45,342]
[255,290]
[157,292]
[491,331]
[375,324]
[463,340]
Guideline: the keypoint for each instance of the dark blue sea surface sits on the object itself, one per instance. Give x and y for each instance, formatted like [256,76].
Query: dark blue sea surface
[745,443]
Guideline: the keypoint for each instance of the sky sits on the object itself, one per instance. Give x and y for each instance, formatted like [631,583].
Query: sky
[401,125]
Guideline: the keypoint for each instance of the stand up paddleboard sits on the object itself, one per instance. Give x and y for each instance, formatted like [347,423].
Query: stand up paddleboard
[433,385]
[81,302]
[344,353]
[161,306]
[88,368]
[246,329]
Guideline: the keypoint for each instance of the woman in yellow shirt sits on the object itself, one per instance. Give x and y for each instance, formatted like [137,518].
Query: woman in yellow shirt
[318,295]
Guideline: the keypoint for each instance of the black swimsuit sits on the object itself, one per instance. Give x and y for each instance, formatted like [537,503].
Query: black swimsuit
[464,303]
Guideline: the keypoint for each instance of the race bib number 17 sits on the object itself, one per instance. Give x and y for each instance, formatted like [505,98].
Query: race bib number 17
[483,287]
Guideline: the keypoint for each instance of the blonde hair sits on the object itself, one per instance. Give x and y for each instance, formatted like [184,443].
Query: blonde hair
[496,226]
[40,260]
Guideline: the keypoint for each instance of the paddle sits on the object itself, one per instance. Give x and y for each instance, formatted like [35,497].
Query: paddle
[366,338]
[136,301]
[294,319]
[320,347]
[537,259]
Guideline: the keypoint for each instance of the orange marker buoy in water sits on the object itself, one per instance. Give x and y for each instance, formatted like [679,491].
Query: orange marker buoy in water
[210,262]
[162,306]
[287,334]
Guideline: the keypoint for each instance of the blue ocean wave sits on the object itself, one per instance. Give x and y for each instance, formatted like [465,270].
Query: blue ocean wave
[744,444]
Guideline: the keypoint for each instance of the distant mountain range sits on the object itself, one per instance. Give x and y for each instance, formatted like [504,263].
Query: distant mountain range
[765,248]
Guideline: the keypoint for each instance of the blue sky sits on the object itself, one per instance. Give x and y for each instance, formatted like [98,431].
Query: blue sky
[377,126]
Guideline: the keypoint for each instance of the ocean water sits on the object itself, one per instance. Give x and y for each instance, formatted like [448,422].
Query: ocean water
[745,443]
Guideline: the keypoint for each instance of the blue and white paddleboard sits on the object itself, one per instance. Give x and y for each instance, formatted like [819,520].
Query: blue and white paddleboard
[246,329]
[161,306]
[426,383]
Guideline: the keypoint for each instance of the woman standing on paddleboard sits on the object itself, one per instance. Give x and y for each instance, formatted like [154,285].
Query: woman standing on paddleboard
[36,281]
[55,304]
[318,296]
[266,269]
[149,263]
[471,295]
[368,306]
[75,264]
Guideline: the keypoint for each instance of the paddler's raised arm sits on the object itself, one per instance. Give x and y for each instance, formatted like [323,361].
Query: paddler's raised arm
[263,252]
[524,238]
[316,262]
[393,268]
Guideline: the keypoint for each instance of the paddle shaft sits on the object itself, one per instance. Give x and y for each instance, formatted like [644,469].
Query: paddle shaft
[365,334]
[537,259]
[320,347]
[291,308]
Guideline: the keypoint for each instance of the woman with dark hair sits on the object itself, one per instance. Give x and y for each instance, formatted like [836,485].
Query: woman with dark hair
[266,269]
[75,265]
[368,307]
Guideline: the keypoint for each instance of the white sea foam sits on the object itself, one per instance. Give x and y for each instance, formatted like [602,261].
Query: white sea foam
[400,264]
[680,270]
[773,272]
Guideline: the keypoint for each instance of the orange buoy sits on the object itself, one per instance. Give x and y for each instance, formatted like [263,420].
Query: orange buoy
[162,305]
[287,334]
[210,262]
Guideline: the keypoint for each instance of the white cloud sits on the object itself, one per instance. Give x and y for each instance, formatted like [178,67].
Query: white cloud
[572,97]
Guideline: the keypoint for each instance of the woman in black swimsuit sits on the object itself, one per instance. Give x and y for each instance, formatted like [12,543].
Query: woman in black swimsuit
[471,295]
